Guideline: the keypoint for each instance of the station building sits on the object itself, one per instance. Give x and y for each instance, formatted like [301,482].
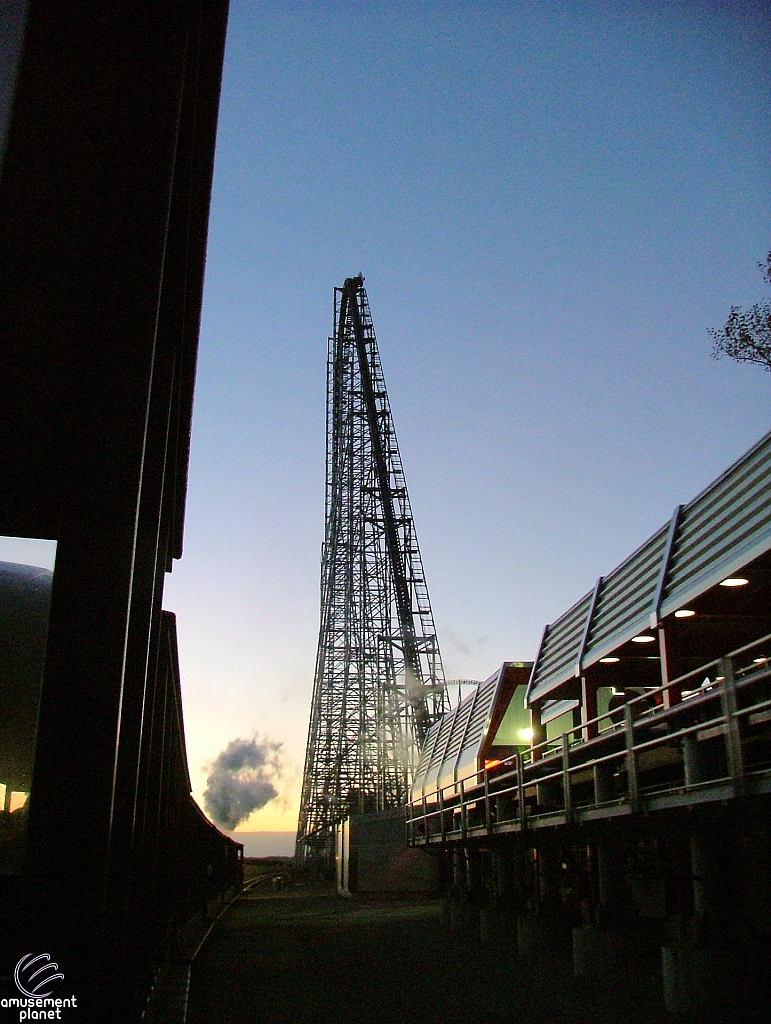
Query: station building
[626,775]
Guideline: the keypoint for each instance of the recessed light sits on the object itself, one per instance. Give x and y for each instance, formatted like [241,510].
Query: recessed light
[734,581]
[526,734]
[643,638]
[759,661]
[608,661]
[684,613]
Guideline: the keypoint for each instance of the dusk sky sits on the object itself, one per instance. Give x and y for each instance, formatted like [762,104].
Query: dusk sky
[550,203]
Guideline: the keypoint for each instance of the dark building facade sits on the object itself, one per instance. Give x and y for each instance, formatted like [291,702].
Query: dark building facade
[109,123]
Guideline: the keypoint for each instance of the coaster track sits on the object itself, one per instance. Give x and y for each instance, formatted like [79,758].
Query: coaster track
[379,682]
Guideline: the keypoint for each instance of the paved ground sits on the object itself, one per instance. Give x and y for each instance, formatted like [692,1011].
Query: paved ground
[276,959]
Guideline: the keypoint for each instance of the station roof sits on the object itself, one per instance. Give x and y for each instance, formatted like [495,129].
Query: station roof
[455,745]
[720,531]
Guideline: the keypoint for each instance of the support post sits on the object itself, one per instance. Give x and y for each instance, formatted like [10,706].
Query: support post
[548,877]
[733,738]
[521,806]
[669,663]
[539,733]
[589,710]
[631,760]
[609,881]
[566,790]
[459,870]
[474,883]
[488,815]
[458,891]
[604,790]
[693,761]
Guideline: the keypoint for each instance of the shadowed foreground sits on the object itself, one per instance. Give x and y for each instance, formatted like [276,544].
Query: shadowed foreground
[311,957]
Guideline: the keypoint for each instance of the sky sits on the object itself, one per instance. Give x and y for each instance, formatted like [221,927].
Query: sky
[551,204]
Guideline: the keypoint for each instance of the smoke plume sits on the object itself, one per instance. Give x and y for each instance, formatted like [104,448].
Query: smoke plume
[241,780]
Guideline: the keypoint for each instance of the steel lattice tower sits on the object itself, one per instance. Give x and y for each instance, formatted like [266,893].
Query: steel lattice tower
[379,680]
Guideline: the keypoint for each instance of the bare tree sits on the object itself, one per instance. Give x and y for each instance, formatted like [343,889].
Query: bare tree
[746,336]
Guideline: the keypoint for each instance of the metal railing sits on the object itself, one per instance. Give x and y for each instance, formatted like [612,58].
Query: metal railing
[703,736]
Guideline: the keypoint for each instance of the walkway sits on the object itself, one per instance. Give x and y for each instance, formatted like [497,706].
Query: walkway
[308,957]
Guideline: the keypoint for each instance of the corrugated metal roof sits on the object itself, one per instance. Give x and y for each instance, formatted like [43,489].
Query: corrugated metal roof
[444,734]
[452,746]
[626,598]
[460,726]
[722,529]
[481,711]
[560,649]
[429,747]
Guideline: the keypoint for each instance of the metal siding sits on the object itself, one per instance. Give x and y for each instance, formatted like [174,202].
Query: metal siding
[560,649]
[436,750]
[626,598]
[427,751]
[460,730]
[731,516]
[476,728]
[459,727]
[445,734]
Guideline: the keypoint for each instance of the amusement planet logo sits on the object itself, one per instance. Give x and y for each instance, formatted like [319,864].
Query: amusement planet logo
[33,974]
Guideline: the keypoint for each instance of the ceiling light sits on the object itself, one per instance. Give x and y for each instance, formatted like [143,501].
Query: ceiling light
[526,734]
[684,613]
[643,638]
[760,661]
[734,581]
[608,661]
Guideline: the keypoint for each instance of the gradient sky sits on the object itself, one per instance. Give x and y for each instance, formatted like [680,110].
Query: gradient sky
[551,203]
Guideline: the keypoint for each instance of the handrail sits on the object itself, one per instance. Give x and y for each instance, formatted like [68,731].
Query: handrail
[521,772]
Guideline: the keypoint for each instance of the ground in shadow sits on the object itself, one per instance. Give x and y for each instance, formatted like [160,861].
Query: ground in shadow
[313,956]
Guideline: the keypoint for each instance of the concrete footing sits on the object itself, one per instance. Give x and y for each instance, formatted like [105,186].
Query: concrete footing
[699,982]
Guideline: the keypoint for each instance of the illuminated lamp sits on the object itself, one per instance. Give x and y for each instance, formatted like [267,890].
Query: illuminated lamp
[609,661]
[493,763]
[759,661]
[526,734]
[643,638]
[734,581]
[684,613]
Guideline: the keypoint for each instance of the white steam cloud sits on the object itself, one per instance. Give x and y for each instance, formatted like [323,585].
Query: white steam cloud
[241,780]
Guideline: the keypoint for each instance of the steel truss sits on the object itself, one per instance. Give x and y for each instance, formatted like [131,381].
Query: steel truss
[379,682]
